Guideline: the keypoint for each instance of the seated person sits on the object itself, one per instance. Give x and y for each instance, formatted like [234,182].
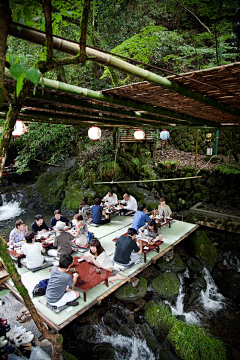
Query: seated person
[39,225]
[151,229]
[163,209]
[58,217]
[84,208]
[124,256]
[81,231]
[18,233]
[111,198]
[58,291]
[141,217]
[33,251]
[98,256]
[129,203]
[62,241]
[97,212]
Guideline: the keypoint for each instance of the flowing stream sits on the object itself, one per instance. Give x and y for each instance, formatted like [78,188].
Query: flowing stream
[211,300]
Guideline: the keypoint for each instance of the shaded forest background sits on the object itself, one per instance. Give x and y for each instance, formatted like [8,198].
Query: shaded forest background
[172,36]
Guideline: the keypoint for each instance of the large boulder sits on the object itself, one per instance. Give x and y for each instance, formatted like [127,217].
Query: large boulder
[174,265]
[128,293]
[202,247]
[230,285]
[166,285]
[188,341]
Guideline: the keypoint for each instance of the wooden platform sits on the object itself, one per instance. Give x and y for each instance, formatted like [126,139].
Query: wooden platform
[106,233]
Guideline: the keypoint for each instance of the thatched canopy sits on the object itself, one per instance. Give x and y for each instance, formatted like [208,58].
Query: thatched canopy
[142,104]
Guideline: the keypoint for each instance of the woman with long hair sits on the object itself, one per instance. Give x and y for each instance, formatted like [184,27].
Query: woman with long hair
[151,230]
[99,258]
[81,231]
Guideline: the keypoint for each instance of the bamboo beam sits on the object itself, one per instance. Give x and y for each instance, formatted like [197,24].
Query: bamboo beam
[97,106]
[66,46]
[144,181]
[110,99]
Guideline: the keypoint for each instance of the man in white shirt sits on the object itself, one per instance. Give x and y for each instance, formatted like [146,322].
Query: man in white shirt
[129,203]
[111,198]
[33,251]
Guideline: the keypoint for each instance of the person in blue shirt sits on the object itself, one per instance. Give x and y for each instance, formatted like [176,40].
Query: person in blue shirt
[58,217]
[97,212]
[141,217]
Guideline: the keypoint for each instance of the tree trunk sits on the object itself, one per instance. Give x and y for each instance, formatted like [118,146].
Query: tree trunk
[56,340]
[5,19]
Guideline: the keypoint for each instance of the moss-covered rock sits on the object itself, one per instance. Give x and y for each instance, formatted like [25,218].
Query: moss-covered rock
[158,316]
[166,285]
[202,247]
[190,342]
[175,265]
[128,293]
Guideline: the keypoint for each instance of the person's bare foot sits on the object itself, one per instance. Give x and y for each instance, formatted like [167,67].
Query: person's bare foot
[116,277]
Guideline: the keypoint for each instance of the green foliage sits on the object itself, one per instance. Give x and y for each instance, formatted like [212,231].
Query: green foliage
[228,169]
[189,341]
[20,71]
[45,142]
[195,343]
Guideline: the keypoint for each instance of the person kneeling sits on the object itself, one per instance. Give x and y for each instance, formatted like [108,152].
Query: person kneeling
[58,291]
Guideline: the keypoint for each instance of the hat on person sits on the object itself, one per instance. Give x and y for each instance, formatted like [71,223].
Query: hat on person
[60,225]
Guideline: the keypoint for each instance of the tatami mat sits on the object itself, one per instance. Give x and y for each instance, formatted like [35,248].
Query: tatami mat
[105,233]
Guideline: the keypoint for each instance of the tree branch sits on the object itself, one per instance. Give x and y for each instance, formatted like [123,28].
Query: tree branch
[208,30]
[5,16]
[47,8]
[84,22]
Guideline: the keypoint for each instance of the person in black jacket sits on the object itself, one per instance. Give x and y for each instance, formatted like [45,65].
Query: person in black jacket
[39,224]
[58,217]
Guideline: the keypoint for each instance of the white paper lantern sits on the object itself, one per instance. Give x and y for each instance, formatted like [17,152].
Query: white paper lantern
[19,128]
[94,133]
[164,135]
[139,134]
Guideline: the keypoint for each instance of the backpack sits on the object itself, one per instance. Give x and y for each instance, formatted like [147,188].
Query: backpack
[40,288]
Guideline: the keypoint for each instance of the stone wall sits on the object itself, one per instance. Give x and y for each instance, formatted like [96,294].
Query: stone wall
[62,187]
[184,139]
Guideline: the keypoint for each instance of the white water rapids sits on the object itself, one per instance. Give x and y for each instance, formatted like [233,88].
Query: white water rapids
[211,300]
[11,209]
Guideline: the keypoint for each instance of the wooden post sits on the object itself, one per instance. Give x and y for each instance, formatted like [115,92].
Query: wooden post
[196,148]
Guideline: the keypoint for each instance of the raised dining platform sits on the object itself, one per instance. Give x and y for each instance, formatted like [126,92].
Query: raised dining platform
[106,233]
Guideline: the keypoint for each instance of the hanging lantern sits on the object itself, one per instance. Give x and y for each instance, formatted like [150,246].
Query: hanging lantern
[19,128]
[94,133]
[164,135]
[139,134]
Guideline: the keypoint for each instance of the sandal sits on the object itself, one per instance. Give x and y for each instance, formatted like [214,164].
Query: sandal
[24,316]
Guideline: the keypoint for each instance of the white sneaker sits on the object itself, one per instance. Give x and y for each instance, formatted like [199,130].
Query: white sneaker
[24,339]
[3,343]
[2,338]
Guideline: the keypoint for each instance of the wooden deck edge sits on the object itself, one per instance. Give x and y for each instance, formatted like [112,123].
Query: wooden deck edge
[98,300]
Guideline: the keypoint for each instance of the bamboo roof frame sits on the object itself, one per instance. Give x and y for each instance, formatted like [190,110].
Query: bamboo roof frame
[177,100]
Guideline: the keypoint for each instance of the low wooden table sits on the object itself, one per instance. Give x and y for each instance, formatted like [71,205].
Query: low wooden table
[156,245]
[166,222]
[17,256]
[87,273]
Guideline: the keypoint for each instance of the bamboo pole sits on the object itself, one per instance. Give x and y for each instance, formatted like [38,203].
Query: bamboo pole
[66,46]
[102,108]
[144,181]
[97,95]
[196,149]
